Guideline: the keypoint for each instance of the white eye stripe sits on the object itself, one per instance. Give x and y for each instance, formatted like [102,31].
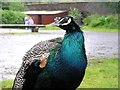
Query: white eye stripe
[60,20]
[67,22]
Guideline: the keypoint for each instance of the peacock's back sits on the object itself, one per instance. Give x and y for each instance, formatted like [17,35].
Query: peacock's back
[40,50]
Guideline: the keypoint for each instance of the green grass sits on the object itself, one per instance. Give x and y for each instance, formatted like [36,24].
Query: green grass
[99,29]
[104,22]
[101,73]
[50,27]
[86,28]
[7,83]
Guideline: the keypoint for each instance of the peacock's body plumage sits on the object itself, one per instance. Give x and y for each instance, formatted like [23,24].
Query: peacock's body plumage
[66,61]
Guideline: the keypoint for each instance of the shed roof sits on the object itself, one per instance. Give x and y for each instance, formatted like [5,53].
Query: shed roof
[43,12]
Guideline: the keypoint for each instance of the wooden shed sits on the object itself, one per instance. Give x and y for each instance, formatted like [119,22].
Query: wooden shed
[45,17]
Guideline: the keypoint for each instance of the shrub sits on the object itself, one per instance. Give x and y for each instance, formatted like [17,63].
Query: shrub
[109,21]
[12,17]
[75,13]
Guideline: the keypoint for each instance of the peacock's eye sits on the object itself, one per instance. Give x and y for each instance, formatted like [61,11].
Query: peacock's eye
[64,21]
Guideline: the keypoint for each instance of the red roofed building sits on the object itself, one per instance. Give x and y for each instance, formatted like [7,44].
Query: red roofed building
[45,17]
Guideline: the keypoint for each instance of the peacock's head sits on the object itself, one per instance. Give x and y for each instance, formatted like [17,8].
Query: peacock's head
[62,21]
[67,23]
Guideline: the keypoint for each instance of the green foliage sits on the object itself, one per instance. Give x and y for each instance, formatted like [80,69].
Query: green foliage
[12,17]
[99,29]
[5,5]
[7,83]
[109,21]
[75,13]
[15,6]
[49,27]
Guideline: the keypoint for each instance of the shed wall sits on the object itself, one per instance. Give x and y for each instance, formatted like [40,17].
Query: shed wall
[45,18]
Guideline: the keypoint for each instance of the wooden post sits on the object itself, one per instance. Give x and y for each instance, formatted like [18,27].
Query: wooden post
[35,29]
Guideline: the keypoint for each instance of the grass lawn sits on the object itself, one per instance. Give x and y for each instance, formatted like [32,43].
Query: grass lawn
[99,29]
[49,27]
[99,74]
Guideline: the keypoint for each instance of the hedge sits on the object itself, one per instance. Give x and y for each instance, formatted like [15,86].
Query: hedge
[108,21]
[12,17]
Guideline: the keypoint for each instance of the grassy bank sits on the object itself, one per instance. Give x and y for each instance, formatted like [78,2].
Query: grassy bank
[98,29]
[102,22]
[49,27]
[86,28]
[7,83]
[99,74]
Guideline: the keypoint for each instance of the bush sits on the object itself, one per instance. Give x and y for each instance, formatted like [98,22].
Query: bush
[75,13]
[12,17]
[112,21]
[109,21]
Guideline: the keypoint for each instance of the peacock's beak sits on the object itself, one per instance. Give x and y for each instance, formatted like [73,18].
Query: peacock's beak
[55,24]
[56,21]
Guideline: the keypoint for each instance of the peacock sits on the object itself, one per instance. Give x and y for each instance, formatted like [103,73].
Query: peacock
[56,63]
